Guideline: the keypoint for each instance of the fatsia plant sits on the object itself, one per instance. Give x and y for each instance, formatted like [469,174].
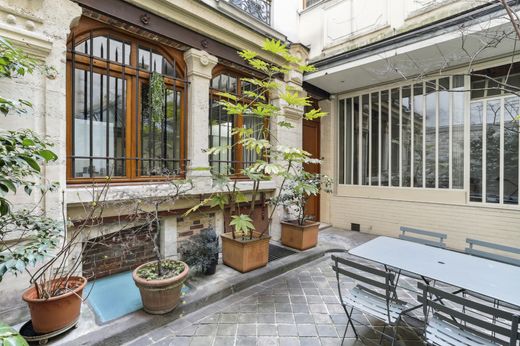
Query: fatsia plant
[272,158]
[26,235]
[301,186]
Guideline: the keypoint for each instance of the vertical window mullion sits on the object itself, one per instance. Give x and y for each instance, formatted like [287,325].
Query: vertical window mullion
[91,113]
[484,152]
[437,133]
[344,144]
[400,136]
[424,135]
[379,157]
[369,139]
[502,152]
[390,133]
[360,140]
[412,135]
[450,133]
[352,156]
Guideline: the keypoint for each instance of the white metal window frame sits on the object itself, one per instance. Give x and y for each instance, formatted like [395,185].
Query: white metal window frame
[388,88]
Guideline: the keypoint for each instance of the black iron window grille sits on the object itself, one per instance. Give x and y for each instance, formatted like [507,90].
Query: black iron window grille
[260,9]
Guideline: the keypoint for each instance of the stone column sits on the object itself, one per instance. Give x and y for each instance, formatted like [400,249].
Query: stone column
[199,70]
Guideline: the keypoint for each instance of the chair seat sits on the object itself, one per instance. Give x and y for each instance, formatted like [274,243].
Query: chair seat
[374,304]
[440,332]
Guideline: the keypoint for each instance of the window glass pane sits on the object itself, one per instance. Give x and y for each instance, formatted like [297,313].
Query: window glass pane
[444,133]
[232,85]
[221,125]
[493,88]
[511,132]
[478,88]
[348,141]
[98,120]
[406,129]
[365,139]
[144,59]
[252,122]
[396,154]
[457,146]
[357,126]
[375,138]
[215,82]
[493,111]
[418,118]
[431,121]
[476,147]
[116,53]
[385,139]
[341,143]
[99,47]
[157,63]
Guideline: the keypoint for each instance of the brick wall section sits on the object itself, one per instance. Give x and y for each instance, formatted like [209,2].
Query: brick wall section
[117,252]
[192,224]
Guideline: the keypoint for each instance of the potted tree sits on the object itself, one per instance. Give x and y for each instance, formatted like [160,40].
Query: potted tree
[200,252]
[246,247]
[28,236]
[301,232]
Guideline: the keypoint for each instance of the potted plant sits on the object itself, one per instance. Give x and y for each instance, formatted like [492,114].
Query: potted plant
[10,337]
[301,232]
[159,281]
[28,236]
[200,252]
[246,247]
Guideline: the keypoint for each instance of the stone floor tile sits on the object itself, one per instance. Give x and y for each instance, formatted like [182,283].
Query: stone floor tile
[303,318]
[228,318]
[213,319]
[202,340]
[314,299]
[265,318]
[174,341]
[283,317]
[223,341]
[266,307]
[322,318]
[266,329]
[246,317]
[246,341]
[206,329]
[321,308]
[287,330]
[282,298]
[310,341]
[188,331]
[283,307]
[307,330]
[330,341]
[226,329]
[300,308]
[159,334]
[246,329]
[247,307]
[326,330]
[267,341]
[289,341]
[335,308]
[298,299]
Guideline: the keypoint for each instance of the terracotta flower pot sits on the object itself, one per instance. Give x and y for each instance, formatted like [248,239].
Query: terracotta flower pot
[245,255]
[160,296]
[300,237]
[58,312]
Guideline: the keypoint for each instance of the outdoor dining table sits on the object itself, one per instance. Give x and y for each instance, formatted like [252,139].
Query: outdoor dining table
[493,279]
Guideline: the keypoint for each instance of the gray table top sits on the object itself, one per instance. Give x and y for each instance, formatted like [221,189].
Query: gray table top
[490,278]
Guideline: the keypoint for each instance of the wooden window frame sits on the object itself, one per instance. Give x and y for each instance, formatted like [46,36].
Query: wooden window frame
[134,76]
[237,162]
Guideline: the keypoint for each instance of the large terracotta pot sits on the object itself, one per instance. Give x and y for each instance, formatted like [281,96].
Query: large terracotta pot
[55,313]
[245,255]
[300,237]
[160,296]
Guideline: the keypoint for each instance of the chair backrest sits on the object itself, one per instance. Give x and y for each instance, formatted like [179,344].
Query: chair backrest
[372,278]
[436,238]
[493,256]
[485,321]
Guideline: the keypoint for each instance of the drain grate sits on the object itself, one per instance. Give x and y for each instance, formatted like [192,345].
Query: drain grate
[276,252]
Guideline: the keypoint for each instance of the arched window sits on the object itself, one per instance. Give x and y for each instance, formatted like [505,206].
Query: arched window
[221,124]
[118,125]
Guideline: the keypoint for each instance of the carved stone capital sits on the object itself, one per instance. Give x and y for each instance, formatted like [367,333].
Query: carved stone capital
[199,63]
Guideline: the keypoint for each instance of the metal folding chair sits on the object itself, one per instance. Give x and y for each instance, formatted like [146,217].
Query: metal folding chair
[374,295]
[456,320]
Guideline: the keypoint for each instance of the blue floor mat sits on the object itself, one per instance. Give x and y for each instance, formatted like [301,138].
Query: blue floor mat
[115,296]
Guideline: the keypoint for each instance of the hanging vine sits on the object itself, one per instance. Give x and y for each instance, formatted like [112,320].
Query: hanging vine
[156,97]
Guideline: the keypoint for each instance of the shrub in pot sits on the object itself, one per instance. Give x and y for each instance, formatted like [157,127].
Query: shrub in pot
[246,247]
[200,252]
[301,232]
[28,236]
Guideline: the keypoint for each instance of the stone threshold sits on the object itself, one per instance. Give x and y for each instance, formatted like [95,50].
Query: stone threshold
[136,324]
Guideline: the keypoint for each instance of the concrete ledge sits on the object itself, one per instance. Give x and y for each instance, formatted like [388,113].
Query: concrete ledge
[137,324]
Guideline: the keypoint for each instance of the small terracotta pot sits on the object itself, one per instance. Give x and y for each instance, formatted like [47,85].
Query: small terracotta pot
[55,313]
[245,255]
[160,296]
[300,237]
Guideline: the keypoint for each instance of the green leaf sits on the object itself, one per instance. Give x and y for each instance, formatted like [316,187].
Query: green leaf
[314,114]
[31,162]
[294,99]
[242,223]
[274,46]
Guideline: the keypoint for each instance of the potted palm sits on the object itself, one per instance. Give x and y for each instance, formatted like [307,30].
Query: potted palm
[246,247]
[301,232]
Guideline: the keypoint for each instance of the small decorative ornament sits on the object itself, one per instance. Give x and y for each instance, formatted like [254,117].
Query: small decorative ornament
[145,19]
[204,43]
[204,60]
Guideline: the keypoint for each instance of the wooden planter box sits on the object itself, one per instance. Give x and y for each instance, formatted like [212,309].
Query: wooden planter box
[245,255]
[300,237]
